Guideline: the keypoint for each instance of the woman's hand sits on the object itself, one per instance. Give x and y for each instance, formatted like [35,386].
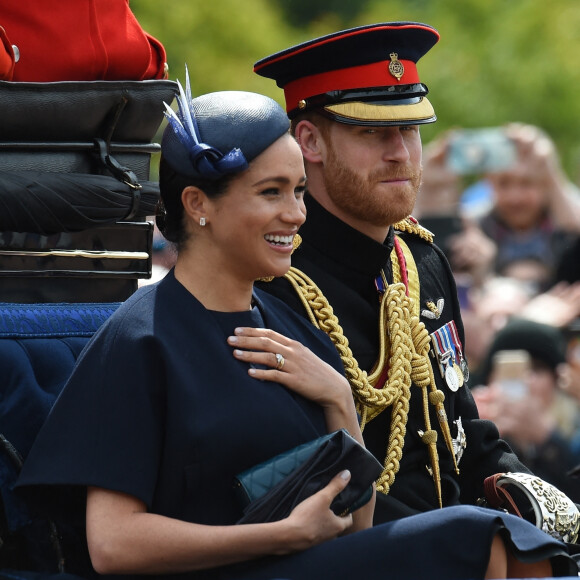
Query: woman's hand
[312,522]
[306,374]
[299,369]
[537,149]
[538,152]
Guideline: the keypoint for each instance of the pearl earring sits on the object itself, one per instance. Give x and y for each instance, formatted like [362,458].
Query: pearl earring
[202,221]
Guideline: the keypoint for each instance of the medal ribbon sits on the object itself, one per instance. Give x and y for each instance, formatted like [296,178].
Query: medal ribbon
[444,345]
[455,337]
[462,362]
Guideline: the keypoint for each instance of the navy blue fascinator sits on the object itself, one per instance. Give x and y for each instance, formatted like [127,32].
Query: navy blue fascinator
[219,133]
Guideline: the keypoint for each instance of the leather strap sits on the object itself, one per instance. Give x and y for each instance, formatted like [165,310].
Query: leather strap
[498,497]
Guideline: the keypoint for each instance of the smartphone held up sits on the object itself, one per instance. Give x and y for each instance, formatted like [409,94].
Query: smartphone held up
[510,371]
[478,151]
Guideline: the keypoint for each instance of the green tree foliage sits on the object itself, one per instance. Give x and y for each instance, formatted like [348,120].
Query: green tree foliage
[497,61]
[219,40]
[303,12]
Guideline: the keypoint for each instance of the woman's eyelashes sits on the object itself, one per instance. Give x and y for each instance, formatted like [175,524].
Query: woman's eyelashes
[299,191]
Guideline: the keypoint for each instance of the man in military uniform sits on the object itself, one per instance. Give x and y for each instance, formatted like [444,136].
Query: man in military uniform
[369,274]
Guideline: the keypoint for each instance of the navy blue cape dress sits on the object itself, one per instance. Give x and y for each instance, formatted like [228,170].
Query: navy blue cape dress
[158,408]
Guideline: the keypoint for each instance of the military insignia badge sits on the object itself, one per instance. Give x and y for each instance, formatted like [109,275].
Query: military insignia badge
[460,441]
[396,67]
[433,311]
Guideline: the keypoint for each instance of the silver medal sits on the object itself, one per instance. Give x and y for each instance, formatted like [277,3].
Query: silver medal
[451,378]
[464,369]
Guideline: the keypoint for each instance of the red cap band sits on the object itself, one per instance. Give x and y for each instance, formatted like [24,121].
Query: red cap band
[359,77]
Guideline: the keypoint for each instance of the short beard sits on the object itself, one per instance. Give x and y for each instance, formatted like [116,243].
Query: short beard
[357,196]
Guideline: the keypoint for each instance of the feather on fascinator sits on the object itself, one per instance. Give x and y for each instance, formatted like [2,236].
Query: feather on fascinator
[219,133]
[208,161]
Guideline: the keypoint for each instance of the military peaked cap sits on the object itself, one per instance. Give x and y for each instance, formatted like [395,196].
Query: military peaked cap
[362,76]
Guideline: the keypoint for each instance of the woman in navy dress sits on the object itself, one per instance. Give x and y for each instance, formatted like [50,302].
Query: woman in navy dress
[201,376]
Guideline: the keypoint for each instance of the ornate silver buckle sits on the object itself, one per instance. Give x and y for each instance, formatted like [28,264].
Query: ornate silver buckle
[556,514]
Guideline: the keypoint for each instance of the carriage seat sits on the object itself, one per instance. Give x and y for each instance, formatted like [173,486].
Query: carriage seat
[39,345]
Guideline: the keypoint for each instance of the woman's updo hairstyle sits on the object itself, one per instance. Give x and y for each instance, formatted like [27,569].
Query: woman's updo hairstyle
[209,140]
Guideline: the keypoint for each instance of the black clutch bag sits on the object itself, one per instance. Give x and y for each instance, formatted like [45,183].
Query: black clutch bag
[271,490]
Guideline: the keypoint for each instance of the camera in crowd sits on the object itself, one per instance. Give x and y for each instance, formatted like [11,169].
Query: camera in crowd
[473,151]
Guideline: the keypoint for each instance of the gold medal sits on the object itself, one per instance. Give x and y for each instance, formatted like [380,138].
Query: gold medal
[459,373]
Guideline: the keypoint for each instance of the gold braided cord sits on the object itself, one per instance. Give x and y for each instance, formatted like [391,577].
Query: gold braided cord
[411,226]
[407,342]
[322,315]
[370,401]
[421,338]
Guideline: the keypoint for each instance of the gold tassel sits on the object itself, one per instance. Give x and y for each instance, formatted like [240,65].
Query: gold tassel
[430,439]
[436,398]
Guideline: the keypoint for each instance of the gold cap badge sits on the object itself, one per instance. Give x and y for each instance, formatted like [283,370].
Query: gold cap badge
[396,67]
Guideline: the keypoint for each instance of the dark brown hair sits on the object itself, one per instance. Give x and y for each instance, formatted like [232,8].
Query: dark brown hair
[169,217]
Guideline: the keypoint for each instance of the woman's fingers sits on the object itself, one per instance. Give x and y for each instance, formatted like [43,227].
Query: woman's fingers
[274,361]
[274,357]
[263,346]
[326,495]
[337,484]
[267,334]
[259,339]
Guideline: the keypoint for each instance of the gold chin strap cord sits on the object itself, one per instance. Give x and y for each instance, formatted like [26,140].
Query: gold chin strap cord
[407,342]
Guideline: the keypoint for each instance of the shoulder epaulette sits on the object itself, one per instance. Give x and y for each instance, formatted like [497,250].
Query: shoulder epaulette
[410,225]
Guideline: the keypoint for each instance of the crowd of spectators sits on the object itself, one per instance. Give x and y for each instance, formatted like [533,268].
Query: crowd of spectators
[512,236]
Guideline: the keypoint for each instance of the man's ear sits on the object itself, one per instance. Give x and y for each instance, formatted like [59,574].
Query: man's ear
[194,202]
[311,142]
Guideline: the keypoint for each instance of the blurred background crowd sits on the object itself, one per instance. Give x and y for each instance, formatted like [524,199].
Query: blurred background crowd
[508,218]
